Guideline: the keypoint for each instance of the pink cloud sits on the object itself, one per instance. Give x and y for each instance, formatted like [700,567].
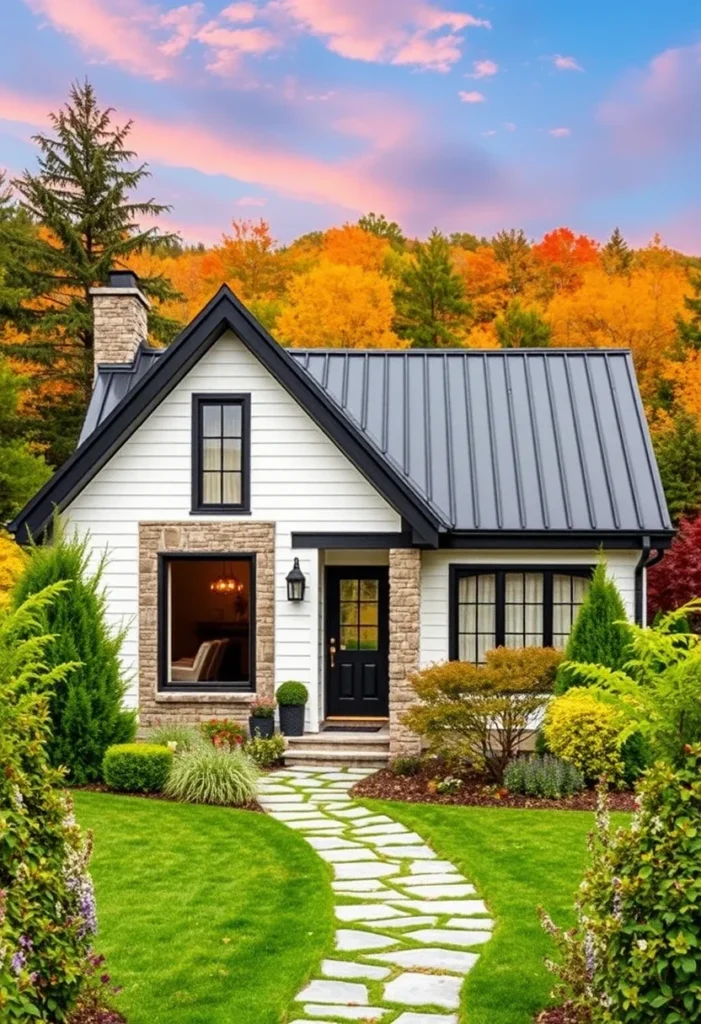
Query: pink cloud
[483,69]
[251,201]
[393,31]
[560,133]
[510,126]
[183,21]
[110,30]
[240,12]
[471,97]
[566,63]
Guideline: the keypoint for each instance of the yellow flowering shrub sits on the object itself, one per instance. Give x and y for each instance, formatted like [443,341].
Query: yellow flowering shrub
[587,733]
[12,561]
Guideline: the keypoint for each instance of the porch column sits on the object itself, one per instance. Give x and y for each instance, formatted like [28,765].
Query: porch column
[404,622]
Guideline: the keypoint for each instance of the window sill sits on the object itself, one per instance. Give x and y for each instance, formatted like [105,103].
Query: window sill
[221,510]
[205,697]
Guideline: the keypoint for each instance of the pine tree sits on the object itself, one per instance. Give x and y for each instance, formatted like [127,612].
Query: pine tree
[678,453]
[86,708]
[379,226]
[522,328]
[513,249]
[430,300]
[689,331]
[597,635]
[87,223]
[616,257]
[22,471]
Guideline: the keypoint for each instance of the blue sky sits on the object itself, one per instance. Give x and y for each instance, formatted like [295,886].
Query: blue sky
[468,116]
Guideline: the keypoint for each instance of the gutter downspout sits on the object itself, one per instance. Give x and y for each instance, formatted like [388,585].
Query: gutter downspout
[644,562]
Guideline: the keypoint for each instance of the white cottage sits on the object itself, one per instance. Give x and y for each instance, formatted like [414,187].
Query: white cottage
[436,503]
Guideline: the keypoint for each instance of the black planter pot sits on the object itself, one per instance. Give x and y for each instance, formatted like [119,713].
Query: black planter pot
[292,719]
[263,727]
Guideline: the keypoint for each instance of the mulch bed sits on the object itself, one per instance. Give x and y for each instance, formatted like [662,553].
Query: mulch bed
[96,1015]
[475,791]
[100,787]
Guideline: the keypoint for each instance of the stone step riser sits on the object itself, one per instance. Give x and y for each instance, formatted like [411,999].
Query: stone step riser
[314,760]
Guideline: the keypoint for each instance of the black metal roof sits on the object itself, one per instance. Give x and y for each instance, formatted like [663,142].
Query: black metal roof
[497,440]
[510,439]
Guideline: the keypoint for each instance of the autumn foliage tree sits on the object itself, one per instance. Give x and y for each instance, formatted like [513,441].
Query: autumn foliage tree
[677,578]
[352,246]
[336,306]
[561,256]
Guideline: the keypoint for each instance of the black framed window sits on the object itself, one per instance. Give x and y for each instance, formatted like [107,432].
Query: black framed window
[513,606]
[206,621]
[221,453]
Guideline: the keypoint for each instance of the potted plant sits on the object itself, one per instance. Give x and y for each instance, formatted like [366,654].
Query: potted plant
[261,721]
[291,698]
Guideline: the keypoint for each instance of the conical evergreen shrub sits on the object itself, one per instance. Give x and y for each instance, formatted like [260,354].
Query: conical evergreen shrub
[597,636]
[86,708]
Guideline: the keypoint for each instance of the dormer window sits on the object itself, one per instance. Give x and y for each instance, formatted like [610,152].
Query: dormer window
[221,454]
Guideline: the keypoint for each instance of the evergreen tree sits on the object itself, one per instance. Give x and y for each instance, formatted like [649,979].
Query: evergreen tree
[467,241]
[616,257]
[22,471]
[86,707]
[597,636]
[81,201]
[513,249]
[381,227]
[430,299]
[689,330]
[522,328]
[678,453]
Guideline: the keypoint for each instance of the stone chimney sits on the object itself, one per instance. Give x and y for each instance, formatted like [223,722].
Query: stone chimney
[120,318]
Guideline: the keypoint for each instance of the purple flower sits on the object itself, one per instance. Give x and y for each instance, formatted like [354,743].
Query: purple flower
[25,942]
[590,955]
[18,961]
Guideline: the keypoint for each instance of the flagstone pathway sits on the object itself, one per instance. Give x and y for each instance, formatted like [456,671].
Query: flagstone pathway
[408,924]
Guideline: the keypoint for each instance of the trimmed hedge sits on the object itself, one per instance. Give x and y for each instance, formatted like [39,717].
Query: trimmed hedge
[292,694]
[137,767]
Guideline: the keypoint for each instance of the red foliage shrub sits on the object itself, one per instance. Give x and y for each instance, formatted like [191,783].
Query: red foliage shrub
[677,578]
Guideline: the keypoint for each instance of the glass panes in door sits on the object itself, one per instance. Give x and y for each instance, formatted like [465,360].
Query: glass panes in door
[359,600]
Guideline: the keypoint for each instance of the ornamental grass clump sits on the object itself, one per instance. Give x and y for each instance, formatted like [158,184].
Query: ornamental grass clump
[548,777]
[213,775]
[634,956]
[47,906]
[176,736]
[482,713]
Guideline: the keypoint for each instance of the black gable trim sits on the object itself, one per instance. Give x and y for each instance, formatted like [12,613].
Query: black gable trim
[223,312]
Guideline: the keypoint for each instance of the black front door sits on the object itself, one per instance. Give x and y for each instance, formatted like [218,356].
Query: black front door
[357,641]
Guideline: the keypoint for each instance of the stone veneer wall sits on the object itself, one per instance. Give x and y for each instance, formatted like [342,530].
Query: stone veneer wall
[404,622]
[120,319]
[197,537]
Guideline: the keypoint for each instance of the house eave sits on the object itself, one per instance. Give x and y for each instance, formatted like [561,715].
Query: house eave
[564,539]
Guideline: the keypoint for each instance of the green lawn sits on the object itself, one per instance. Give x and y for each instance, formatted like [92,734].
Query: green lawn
[207,915]
[517,860]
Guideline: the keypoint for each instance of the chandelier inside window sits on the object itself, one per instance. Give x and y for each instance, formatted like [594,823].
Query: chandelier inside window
[227,584]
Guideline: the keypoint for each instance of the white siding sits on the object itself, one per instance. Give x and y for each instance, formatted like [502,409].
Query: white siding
[299,480]
[435,585]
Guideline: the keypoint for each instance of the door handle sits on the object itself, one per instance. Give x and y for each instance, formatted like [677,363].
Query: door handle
[332,651]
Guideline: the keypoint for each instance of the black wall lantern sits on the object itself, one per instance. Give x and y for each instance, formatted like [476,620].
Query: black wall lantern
[296,583]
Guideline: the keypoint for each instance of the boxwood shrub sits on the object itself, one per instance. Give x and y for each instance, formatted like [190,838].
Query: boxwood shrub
[292,694]
[137,767]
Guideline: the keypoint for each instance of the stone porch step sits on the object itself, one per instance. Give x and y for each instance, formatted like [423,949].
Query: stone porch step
[367,750]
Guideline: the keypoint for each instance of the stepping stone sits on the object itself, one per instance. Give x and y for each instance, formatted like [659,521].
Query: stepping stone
[317,824]
[348,1012]
[380,826]
[422,880]
[379,870]
[362,885]
[366,912]
[430,958]
[411,853]
[424,990]
[345,969]
[437,892]
[453,936]
[466,908]
[420,1018]
[335,776]
[345,856]
[332,843]
[349,940]
[386,897]
[311,784]
[407,922]
[334,992]
[273,791]
[355,812]
[421,868]
[287,798]
[395,840]
[471,924]
[299,815]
